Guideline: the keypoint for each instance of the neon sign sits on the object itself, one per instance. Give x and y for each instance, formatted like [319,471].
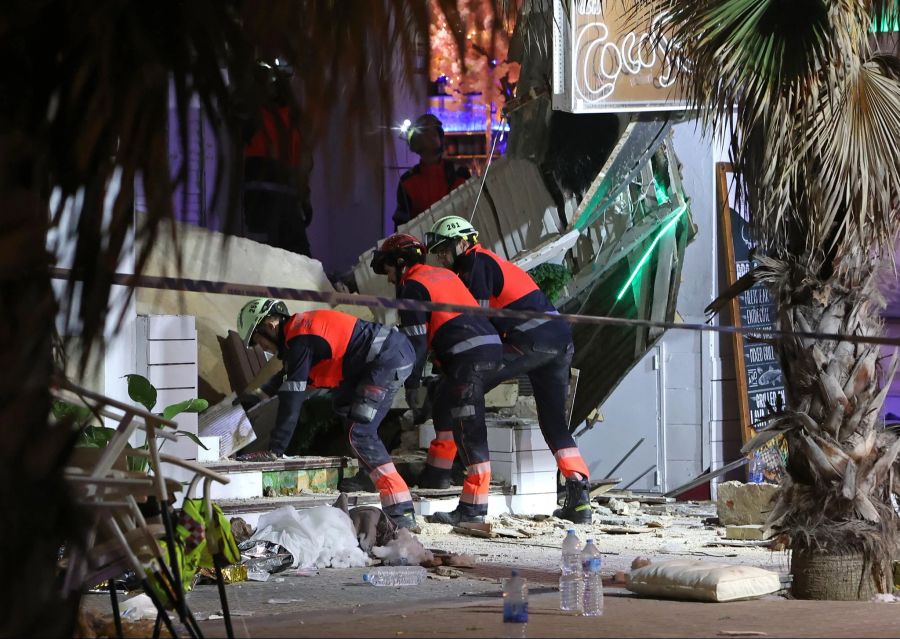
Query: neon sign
[607,60]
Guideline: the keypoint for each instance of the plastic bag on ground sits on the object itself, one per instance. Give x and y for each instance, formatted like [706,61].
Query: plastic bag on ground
[405,550]
[137,608]
[321,537]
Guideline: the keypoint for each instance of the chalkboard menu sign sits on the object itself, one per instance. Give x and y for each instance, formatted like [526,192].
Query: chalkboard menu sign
[757,370]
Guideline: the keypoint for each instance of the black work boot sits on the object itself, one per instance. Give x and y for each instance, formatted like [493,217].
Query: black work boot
[359,483]
[435,478]
[407,520]
[577,507]
[455,518]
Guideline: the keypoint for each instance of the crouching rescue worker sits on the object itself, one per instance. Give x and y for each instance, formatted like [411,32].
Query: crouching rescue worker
[467,349]
[542,348]
[366,362]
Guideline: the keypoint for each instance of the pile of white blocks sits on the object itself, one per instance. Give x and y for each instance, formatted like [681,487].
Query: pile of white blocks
[166,354]
[520,458]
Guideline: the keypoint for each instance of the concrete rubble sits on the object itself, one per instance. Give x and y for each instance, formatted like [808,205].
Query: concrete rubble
[466,570]
[740,504]
[245,262]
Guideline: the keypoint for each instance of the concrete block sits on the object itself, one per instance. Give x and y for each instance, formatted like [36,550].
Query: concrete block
[749,533]
[186,421]
[500,439]
[507,436]
[425,507]
[211,453]
[503,395]
[172,351]
[528,461]
[168,396]
[742,504]
[503,471]
[529,437]
[535,504]
[173,375]
[241,486]
[534,483]
[171,327]
[248,261]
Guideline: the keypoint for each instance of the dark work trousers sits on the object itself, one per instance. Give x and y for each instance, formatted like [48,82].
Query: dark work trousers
[373,390]
[547,367]
[459,407]
[273,215]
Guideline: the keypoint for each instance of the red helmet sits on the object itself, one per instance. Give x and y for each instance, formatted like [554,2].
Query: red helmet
[399,246]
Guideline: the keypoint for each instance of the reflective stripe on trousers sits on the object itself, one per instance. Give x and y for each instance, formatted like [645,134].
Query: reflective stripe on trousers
[391,487]
[570,463]
[473,342]
[442,450]
[476,487]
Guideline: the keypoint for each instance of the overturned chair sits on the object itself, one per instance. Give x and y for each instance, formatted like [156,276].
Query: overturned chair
[131,512]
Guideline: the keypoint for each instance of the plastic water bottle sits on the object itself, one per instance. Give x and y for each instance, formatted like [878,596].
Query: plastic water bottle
[515,605]
[592,590]
[570,573]
[396,576]
[757,466]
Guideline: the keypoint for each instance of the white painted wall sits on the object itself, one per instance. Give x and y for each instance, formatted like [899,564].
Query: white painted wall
[117,356]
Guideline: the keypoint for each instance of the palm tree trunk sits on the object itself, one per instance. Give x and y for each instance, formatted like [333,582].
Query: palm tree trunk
[836,498]
[37,512]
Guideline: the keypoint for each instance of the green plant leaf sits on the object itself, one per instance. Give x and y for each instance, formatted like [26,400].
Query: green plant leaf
[141,390]
[95,437]
[187,406]
[550,278]
[192,437]
[137,464]
[80,415]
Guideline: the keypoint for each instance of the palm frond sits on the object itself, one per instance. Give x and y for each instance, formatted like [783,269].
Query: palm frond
[854,191]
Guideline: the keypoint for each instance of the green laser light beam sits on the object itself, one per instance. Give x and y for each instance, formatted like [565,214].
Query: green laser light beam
[679,212]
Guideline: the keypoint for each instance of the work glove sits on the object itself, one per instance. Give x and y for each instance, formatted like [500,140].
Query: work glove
[247,400]
[416,397]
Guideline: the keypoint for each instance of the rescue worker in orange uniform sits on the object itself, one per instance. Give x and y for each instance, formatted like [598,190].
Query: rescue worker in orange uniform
[366,362]
[277,167]
[542,348]
[433,177]
[467,349]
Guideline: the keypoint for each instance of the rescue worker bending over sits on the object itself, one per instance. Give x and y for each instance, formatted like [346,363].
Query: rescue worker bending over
[467,349]
[366,362]
[542,348]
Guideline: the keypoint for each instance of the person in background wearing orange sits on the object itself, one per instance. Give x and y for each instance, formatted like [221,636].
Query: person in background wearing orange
[433,177]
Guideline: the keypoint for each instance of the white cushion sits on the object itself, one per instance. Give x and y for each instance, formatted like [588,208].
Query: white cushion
[702,581]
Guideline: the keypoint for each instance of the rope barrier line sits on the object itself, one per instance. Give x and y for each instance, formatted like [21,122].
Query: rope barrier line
[374,301]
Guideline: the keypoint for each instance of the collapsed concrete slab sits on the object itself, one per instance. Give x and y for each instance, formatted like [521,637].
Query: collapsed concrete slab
[209,255]
[742,504]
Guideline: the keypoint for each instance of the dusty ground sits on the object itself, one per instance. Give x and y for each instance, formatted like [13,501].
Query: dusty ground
[336,602]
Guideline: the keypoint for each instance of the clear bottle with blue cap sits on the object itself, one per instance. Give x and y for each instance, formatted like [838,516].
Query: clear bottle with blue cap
[592,590]
[515,605]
